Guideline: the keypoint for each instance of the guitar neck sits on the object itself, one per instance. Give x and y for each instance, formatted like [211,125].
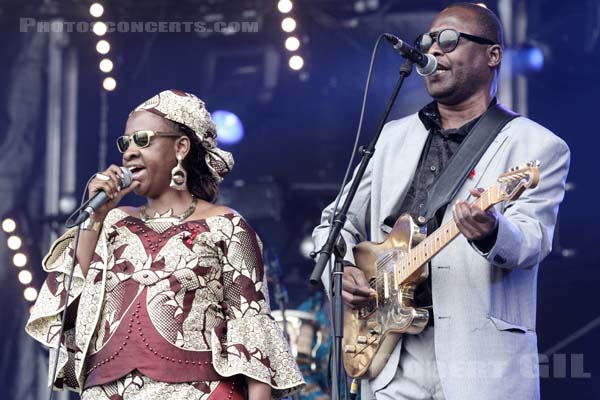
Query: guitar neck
[434,243]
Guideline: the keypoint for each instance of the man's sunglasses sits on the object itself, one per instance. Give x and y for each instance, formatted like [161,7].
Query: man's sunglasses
[447,40]
[141,139]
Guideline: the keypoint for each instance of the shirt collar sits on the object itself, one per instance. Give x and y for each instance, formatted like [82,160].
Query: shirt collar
[430,117]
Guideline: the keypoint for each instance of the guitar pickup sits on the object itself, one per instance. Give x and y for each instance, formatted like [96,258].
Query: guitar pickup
[350,348]
[386,285]
[361,339]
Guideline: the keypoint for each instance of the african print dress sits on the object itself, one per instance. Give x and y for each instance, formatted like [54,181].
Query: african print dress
[171,312]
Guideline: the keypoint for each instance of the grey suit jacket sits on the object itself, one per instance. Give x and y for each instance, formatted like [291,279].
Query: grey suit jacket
[484,304]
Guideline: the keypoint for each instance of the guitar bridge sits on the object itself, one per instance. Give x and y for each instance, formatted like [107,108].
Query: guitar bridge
[366,311]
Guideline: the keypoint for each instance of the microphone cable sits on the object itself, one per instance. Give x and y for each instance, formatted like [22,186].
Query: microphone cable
[337,204]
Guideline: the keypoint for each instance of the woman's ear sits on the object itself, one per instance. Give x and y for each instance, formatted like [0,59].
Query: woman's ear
[182,145]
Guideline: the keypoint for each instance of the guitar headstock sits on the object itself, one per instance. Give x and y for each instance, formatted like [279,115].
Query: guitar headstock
[514,182]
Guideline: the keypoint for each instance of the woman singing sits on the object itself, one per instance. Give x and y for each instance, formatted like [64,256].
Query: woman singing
[169,300]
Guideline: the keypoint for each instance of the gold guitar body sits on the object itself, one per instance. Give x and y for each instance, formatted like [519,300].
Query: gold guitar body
[372,332]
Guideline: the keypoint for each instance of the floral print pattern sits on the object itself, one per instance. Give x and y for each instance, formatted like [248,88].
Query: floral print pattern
[204,288]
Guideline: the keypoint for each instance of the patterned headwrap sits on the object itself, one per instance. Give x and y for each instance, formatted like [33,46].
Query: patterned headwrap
[187,109]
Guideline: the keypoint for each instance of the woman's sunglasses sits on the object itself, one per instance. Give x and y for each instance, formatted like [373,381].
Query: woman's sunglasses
[141,139]
[447,40]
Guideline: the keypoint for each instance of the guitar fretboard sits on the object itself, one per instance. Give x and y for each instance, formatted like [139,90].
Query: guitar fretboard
[432,244]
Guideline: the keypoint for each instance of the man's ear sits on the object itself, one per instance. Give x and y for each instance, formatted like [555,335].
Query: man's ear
[182,145]
[494,56]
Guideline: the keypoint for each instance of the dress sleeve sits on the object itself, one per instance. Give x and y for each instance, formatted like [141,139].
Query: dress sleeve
[46,314]
[250,342]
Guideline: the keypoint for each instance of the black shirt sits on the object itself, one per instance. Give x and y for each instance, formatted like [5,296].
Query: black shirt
[439,148]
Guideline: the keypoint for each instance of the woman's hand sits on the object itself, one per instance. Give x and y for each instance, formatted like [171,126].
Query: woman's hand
[109,181]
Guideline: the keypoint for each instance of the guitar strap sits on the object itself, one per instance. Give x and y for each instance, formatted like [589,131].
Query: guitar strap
[461,164]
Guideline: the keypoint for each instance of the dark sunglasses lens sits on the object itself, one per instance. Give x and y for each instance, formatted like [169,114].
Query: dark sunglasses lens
[447,40]
[424,42]
[123,143]
[141,138]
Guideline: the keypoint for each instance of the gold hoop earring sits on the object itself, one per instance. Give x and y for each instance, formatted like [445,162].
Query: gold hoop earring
[178,175]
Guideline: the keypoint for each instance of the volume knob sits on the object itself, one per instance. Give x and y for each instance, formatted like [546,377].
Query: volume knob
[350,348]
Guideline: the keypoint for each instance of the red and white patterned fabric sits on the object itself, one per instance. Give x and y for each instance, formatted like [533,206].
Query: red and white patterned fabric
[136,386]
[185,305]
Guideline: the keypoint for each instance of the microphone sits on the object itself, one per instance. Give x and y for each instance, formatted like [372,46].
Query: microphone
[100,198]
[426,63]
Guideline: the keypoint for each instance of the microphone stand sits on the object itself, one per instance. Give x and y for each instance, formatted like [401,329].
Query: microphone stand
[337,224]
[274,269]
[338,318]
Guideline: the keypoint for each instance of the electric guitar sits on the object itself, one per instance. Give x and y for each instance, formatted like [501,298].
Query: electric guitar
[395,267]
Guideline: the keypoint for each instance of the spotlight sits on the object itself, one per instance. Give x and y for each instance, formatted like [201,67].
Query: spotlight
[288,24]
[9,225]
[96,10]
[307,246]
[360,6]
[103,47]
[535,58]
[229,127]
[30,294]
[19,259]
[99,28]
[106,65]
[527,58]
[296,63]
[25,277]
[285,6]
[67,204]
[14,242]
[372,4]
[109,84]
[292,43]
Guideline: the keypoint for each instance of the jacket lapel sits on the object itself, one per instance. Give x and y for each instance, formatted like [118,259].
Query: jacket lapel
[401,166]
[481,168]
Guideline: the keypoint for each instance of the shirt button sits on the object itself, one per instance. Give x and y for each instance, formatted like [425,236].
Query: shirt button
[432,168]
